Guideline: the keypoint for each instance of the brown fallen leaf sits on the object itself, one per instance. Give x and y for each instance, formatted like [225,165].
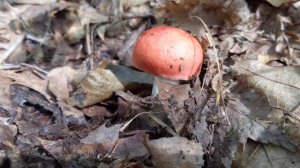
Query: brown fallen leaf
[35,2]
[27,128]
[176,152]
[102,135]
[89,14]
[34,83]
[265,156]
[5,102]
[63,51]
[59,80]
[58,150]
[278,3]
[97,86]
[97,112]
[280,84]
[174,107]
[21,95]
[243,126]
[73,115]
[132,147]
[8,133]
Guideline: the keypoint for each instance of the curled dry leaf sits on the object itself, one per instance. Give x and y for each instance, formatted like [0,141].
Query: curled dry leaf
[97,86]
[59,80]
[34,83]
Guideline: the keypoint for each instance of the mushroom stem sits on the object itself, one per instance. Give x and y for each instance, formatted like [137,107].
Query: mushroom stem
[155,89]
[158,81]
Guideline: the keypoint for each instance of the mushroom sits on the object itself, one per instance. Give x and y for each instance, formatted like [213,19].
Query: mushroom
[168,53]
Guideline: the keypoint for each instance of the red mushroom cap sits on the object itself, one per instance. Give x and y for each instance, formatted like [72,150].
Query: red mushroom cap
[168,52]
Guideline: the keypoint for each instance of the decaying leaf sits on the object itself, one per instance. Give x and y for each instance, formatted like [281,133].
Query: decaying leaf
[243,127]
[133,147]
[102,135]
[177,95]
[279,84]
[265,156]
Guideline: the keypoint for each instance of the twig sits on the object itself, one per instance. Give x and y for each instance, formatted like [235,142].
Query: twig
[88,39]
[128,122]
[35,68]
[153,117]
[9,66]
[12,48]
[268,155]
[253,153]
[161,123]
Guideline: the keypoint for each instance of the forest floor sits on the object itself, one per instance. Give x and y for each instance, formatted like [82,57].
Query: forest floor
[71,97]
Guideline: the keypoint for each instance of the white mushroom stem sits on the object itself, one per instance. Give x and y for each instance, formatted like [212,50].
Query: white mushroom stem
[159,81]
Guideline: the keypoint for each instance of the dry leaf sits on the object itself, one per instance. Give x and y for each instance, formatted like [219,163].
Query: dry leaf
[59,80]
[88,14]
[174,107]
[34,83]
[265,156]
[176,152]
[103,134]
[279,84]
[5,102]
[34,2]
[125,53]
[97,86]
[132,147]
[244,125]
[278,3]
[73,115]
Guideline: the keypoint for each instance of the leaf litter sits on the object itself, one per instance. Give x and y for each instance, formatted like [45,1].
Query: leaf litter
[70,96]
